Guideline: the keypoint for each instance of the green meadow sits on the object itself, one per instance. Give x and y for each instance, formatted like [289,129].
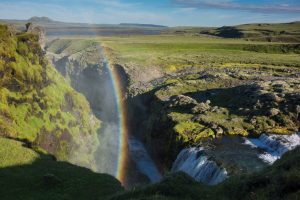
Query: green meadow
[173,52]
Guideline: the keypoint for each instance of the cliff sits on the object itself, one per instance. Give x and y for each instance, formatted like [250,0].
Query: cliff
[38,106]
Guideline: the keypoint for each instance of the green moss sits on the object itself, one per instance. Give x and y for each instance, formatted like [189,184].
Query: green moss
[13,153]
[190,131]
[281,131]
[35,100]
[205,134]
[179,117]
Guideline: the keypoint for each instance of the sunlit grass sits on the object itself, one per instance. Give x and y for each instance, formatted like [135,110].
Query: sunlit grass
[181,51]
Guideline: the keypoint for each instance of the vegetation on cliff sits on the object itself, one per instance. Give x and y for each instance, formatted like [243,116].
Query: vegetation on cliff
[38,106]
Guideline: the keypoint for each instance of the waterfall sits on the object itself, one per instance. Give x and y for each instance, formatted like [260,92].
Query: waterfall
[195,163]
[274,146]
[142,159]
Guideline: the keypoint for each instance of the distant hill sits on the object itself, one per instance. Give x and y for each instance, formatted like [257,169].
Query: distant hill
[41,20]
[142,25]
[272,32]
[57,28]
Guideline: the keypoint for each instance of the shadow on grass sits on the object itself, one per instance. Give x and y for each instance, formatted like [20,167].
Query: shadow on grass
[45,179]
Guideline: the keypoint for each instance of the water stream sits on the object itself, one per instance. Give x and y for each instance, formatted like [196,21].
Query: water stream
[195,163]
[244,155]
[143,161]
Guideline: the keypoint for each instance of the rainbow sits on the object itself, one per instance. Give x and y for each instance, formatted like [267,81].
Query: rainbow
[122,120]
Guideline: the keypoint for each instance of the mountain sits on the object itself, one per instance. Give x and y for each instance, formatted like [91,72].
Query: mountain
[40,20]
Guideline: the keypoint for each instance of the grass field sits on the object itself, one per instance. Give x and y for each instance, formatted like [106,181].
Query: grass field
[172,52]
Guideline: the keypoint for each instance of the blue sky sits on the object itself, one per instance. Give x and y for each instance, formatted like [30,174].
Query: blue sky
[164,12]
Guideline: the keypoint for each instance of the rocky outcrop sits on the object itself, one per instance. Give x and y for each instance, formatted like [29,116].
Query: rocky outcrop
[217,102]
[38,30]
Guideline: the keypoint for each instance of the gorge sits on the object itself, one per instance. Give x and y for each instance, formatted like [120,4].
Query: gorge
[90,73]
[116,117]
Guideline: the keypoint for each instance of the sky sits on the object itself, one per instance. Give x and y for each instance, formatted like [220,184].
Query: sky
[163,12]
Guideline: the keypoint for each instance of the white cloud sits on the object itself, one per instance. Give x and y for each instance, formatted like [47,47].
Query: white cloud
[235,5]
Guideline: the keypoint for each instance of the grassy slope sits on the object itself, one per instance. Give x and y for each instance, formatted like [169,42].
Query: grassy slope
[37,104]
[289,32]
[28,175]
[69,46]
[280,181]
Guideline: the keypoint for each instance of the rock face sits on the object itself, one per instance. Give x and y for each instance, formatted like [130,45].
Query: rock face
[83,64]
[31,28]
[195,163]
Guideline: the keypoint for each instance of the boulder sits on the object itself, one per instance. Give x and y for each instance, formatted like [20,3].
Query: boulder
[183,101]
[201,108]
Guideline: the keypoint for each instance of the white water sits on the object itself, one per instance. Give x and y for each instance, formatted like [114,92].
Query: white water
[144,163]
[193,162]
[274,146]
